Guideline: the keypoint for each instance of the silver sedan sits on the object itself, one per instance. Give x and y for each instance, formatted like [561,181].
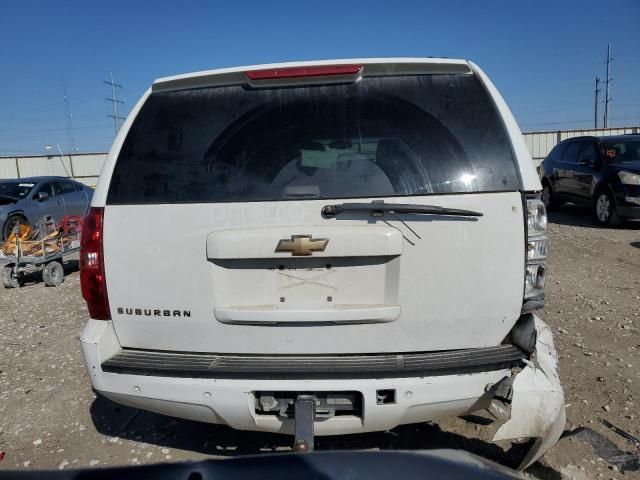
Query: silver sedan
[27,200]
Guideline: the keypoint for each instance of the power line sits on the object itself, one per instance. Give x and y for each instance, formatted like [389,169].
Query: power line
[34,113]
[71,141]
[46,133]
[581,106]
[114,102]
[555,123]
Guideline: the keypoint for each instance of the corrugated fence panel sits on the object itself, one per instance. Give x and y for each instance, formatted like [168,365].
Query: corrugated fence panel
[8,168]
[43,166]
[88,165]
[85,166]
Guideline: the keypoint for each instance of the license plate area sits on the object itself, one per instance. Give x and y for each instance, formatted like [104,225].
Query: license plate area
[327,404]
[286,290]
[306,282]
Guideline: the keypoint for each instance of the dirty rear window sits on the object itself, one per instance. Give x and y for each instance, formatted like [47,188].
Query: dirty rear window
[379,137]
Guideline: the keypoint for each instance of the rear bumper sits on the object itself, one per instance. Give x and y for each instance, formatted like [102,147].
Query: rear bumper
[538,399]
[314,367]
[230,401]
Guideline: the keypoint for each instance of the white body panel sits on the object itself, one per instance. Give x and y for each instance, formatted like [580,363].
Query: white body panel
[458,286]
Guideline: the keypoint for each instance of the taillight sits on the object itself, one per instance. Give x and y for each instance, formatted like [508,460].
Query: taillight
[536,255]
[92,279]
[298,72]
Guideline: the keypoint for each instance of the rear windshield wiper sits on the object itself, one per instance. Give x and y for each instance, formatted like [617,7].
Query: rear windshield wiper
[380,208]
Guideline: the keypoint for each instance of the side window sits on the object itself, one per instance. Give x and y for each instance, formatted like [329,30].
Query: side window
[66,187]
[46,188]
[557,152]
[589,153]
[571,153]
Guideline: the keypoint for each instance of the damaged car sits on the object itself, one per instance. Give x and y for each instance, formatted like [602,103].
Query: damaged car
[25,201]
[323,248]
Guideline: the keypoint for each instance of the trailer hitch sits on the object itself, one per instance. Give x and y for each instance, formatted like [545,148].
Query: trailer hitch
[304,416]
[305,407]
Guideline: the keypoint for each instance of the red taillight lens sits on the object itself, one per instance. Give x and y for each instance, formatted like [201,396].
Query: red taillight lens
[92,279]
[297,72]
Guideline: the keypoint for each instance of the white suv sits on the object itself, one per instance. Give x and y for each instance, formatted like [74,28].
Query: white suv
[322,248]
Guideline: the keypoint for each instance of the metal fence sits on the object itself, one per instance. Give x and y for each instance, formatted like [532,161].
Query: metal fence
[85,167]
[541,143]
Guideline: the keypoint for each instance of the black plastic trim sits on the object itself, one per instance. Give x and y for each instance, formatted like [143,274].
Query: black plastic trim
[412,364]
[320,199]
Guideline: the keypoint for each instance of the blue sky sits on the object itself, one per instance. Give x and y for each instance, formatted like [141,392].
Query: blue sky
[543,55]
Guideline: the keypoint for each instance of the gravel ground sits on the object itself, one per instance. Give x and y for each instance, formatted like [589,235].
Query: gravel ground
[50,418]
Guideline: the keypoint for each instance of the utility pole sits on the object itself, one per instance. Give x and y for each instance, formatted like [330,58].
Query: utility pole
[114,102]
[68,117]
[607,99]
[597,92]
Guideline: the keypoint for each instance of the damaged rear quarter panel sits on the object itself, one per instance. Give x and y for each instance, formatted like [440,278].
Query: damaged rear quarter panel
[537,407]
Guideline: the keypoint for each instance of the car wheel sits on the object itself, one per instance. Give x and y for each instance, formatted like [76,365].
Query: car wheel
[8,280]
[604,209]
[52,274]
[11,223]
[548,198]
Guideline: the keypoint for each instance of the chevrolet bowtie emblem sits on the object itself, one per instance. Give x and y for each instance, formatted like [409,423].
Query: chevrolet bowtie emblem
[302,245]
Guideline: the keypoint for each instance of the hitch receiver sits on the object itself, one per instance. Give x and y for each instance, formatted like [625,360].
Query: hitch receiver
[305,413]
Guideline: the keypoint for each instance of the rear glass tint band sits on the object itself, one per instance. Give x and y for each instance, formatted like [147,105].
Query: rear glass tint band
[379,137]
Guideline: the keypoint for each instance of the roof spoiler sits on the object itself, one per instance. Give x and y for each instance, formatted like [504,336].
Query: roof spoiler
[370,68]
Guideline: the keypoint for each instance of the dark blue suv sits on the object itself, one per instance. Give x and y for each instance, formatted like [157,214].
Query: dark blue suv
[601,172]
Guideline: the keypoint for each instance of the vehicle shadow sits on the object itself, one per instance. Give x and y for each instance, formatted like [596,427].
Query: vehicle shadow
[579,216]
[635,244]
[116,420]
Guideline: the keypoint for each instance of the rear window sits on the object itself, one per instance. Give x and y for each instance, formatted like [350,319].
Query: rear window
[379,137]
[66,187]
